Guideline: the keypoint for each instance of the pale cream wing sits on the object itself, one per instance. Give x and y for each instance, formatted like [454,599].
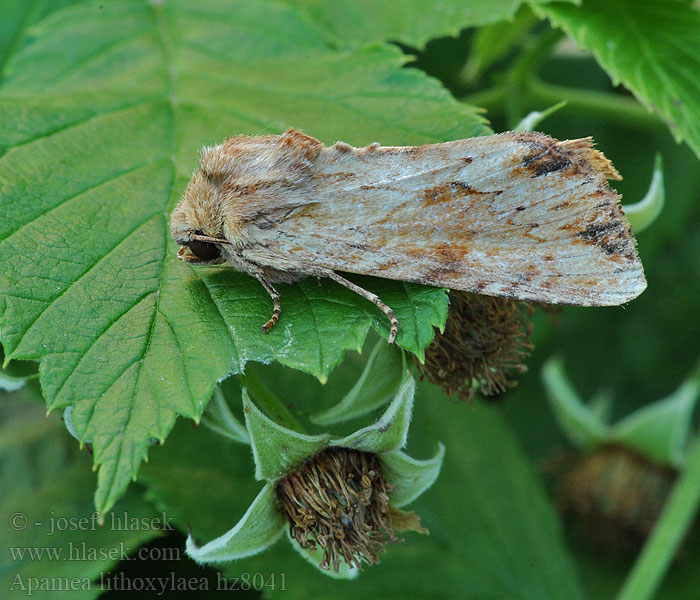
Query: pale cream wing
[515,215]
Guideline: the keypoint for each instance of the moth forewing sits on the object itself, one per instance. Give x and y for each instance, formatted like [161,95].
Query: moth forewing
[516,215]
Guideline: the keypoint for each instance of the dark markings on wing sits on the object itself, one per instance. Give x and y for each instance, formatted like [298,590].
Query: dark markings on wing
[548,229]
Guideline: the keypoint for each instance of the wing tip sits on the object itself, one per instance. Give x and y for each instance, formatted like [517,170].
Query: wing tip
[633,286]
[583,149]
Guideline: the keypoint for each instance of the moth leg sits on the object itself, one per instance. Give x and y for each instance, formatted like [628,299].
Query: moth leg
[276,306]
[372,298]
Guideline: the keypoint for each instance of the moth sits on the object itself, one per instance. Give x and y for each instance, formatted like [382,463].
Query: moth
[519,215]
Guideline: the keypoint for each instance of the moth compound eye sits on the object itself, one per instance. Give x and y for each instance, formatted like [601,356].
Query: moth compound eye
[204,250]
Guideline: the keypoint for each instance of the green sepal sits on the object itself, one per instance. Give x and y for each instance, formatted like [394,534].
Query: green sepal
[410,477]
[259,528]
[643,213]
[533,119]
[659,430]
[583,427]
[276,449]
[70,425]
[219,418]
[8,383]
[390,431]
[375,387]
[316,556]
[600,405]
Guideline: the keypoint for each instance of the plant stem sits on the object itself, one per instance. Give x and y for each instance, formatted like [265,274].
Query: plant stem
[602,105]
[521,91]
[653,562]
[537,95]
[270,404]
[523,71]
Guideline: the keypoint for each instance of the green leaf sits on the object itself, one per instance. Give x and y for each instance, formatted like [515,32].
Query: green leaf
[411,22]
[643,213]
[659,430]
[583,426]
[199,468]
[376,386]
[410,477]
[260,527]
[102,114]
[276,449]
[16,16]
[32,447]
[390,431]
[49,518]
[487,506]
[651,47]
[493,42]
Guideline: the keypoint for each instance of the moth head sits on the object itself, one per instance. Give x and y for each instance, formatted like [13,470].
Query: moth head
[196,223]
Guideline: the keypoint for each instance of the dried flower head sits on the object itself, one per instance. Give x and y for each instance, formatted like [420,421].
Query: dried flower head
[483,346]
[614,496]
[337,497]
[339,500]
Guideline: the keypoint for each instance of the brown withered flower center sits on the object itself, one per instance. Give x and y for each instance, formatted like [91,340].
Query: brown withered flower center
[612,497]
[483,346]
[339,500]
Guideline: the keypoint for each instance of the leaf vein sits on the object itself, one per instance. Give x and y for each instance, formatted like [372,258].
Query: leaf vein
[84,352]
[70,285]
[90,188]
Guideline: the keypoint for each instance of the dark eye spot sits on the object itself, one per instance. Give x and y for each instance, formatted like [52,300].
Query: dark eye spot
[204,250]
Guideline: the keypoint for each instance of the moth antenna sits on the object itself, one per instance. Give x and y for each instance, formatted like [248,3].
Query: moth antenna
[372,298]
[276,306]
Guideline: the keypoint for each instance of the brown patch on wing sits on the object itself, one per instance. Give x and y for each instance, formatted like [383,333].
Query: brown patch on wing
[435,276]
[452,255]
[445,260]
[387,217]
[446,192]
[561,205]
[389,264]
[529,233]
[437,194]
